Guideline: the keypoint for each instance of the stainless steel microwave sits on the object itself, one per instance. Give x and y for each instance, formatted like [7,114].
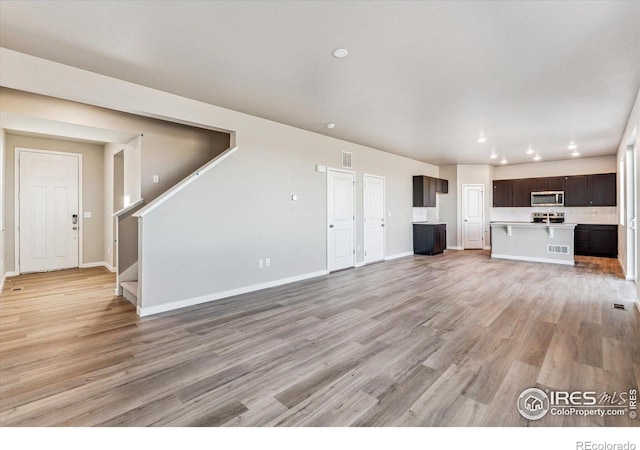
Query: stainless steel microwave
[547,198]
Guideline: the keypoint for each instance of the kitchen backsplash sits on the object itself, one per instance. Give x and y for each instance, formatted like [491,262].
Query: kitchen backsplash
[425,215]
[592,215]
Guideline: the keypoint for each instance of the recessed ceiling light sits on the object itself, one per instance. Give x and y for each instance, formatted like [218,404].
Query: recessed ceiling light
[482,139]
[536,158]
[331,126]
[340,52]
[530,151]
[503,161]
[575,153]
[493,156]
[572,146]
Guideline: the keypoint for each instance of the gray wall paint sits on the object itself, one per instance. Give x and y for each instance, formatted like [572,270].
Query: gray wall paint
[169,150]
[241,211]
[92,196]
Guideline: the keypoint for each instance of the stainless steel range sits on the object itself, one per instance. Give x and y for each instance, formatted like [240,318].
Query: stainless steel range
[548,217]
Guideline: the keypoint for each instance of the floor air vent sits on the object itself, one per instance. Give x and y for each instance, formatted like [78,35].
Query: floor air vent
[619,306]
[16,289]
[346,160]
[561,249]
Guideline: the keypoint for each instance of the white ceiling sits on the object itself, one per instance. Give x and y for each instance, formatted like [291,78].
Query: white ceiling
[422,79]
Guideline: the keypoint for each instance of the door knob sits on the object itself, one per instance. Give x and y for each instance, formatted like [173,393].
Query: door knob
[75,228]
[331,226]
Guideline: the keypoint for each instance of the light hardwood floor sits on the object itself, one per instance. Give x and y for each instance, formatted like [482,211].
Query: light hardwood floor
[445,340]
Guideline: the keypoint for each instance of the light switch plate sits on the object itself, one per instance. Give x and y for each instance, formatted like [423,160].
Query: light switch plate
[156,179]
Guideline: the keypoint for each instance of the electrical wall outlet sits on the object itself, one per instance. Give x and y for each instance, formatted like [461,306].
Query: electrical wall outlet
[156,179]
[260,263]
[267,262]
[87,215]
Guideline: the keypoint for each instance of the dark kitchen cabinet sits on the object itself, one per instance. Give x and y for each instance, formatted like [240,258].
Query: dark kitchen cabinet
[596,240]
[442,186]
[502,193]
[429,239]
[538,184]
[602,189]
[521,192]
[576,190]
[424,191]
[590,190]
[555,184]
[547,184]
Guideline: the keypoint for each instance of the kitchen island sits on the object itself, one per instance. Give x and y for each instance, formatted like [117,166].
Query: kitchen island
[537,242]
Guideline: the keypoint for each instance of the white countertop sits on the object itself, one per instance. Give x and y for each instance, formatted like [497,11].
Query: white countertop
[429,223]
[533,225]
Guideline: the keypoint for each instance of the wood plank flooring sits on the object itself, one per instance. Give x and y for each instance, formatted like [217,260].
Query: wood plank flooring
[448,340]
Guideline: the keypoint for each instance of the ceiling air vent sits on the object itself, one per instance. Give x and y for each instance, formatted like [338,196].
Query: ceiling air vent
[346,160]
[561,249]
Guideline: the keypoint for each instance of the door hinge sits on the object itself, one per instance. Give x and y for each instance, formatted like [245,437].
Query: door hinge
[354,251]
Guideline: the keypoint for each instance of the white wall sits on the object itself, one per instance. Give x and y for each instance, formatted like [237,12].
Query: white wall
[256,219]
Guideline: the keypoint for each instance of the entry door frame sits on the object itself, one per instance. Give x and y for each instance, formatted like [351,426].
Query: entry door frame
[463,213]
[16,201]
[384,209]
[355,231]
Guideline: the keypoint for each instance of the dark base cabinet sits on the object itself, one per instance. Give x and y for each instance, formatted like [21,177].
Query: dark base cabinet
[429,239]
[596,240]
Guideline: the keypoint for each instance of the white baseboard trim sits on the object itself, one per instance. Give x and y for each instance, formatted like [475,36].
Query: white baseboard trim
[624,271]
[2,282]
[97,264]
[142,312]
[359,264]
[533,259]
[455,248]
[488,247]
[11,274]
[398,255]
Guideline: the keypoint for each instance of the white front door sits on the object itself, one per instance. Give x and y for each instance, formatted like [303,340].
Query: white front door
[340,220]
[472,213]
[374,248]
[48,218]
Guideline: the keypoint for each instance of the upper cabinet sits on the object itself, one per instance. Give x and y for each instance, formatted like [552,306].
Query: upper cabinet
[425,189]
[575,190]
[579,190]
[502,193]
[602,189]
[521,192]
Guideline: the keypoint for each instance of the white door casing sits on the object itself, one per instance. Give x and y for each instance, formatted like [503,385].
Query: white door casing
[340,219]
[472,215]
[48,191]
[373,209]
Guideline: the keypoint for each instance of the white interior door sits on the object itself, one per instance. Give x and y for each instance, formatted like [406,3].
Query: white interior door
[340,220]
[374,236]
[48,211]
[473,216]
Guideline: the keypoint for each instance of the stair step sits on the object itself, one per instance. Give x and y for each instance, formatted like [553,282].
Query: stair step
[130,291]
